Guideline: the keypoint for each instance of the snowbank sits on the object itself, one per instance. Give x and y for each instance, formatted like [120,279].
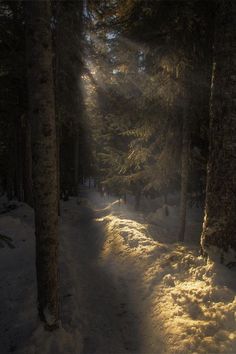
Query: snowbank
[187,305]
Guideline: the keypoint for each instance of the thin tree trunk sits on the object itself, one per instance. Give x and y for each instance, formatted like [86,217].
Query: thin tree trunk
[42,114]
[9,186]
[57,110]
[27,163]
[58,167]
[11,171]
[218,238]
[137,200]
[76,163]
[184,172]
[19,161]
[166,207]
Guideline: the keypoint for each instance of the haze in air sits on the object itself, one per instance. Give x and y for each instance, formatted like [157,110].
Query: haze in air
[117,177]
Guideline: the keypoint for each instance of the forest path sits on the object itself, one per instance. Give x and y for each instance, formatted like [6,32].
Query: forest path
[107,320]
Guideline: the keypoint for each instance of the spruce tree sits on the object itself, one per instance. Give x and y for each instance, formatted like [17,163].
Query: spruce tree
[42,115]
[218,236]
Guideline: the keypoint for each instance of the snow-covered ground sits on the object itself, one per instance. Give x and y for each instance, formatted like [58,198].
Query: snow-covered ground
[127,286]
[187,305]
[20,330]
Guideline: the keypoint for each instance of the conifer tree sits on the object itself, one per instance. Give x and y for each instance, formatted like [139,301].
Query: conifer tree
[218,236]
[42,115]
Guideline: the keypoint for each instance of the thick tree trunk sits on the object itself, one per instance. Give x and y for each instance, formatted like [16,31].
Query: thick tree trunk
[218,239]
[184,172]
[42,114]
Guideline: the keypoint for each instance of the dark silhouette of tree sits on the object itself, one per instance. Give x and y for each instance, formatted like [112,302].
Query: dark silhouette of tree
[44,149]
[218,236]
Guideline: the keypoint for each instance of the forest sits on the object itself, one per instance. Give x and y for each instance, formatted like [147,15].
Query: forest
[118,176]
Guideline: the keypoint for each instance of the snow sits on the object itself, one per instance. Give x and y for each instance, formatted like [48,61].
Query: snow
[191,303]
[126,286]
[59,341]
[20,329]
[50,318]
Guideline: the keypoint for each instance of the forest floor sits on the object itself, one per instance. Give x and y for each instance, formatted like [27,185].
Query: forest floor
[127,286]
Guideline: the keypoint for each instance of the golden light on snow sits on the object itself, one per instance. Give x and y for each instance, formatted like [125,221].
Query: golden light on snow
[175,290]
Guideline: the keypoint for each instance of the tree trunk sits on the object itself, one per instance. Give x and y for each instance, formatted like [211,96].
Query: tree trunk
[58,167]
[27,163]
[184,171]
[56,72]
[76,164]
[19,161]
[137,200]
[165,203]
[42,114]
[9,186]
[218,238]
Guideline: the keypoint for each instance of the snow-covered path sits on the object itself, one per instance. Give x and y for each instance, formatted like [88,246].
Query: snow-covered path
[126,286]
[108,320]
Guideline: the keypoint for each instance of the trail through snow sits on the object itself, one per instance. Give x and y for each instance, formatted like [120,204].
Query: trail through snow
[126,286]
[108,320]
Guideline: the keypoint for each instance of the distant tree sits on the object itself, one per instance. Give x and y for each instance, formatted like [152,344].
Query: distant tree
[157,78]
[67,39]
[218,236]
[42,114]
[15,150]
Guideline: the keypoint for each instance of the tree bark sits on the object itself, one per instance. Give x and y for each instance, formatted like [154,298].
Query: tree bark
[42,115]
[184,171]
[218,238]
